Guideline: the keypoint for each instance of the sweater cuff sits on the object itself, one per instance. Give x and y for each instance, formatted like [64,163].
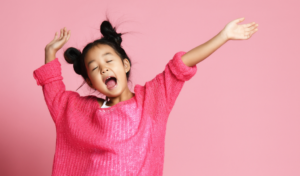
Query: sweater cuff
[179,69]
[48,72]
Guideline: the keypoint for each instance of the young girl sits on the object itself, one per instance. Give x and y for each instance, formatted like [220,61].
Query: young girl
[123,134]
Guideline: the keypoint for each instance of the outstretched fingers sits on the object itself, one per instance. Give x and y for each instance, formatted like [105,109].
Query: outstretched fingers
[55,36]
[248,25]
[69,34]
[61,34]
[64,35]
[250,29]
[248,34]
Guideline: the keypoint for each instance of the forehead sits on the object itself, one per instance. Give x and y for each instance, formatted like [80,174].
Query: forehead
[97,51]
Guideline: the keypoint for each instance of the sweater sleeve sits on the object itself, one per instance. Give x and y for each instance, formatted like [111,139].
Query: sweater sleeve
[49,77]
[166,86]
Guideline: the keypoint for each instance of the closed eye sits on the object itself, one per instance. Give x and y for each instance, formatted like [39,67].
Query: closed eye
[94,68]
[97,67]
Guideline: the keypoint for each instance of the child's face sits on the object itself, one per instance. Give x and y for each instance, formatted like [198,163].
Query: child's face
[100,66]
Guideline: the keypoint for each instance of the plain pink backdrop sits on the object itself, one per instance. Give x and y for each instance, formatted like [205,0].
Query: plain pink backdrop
[239,115]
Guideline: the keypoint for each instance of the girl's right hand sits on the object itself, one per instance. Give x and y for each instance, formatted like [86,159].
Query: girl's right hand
[56,44]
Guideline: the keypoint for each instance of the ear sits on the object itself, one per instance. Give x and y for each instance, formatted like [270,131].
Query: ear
[126,65]
[89,82]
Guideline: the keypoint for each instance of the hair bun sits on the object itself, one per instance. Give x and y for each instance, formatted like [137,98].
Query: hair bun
[72,56]
[110,33]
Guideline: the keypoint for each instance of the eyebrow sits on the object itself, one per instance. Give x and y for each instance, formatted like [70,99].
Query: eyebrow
[101,56]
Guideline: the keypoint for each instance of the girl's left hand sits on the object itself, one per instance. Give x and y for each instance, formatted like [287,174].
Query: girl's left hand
[234,31]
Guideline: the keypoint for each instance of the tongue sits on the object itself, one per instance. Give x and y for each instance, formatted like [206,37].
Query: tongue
[111,83]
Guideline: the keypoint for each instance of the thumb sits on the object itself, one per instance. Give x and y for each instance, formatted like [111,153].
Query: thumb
[239,20]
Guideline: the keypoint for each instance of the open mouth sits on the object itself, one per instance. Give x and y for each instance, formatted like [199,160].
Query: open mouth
[111,82]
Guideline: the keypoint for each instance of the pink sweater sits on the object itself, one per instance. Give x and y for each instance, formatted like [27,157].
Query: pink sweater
[125,139]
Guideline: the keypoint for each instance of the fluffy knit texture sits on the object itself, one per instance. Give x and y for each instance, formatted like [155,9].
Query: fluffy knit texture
[125,139]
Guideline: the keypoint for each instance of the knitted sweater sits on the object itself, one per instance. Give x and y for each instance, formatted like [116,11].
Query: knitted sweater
[127,138]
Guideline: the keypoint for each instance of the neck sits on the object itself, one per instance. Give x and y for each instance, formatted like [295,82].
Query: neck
[126,95]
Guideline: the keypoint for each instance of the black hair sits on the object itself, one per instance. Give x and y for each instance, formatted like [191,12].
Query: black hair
[110,37]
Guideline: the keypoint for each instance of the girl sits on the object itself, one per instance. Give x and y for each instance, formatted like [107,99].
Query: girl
[124,133]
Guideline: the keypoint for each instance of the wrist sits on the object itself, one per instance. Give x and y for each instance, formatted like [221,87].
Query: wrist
[49,56]
[224,35]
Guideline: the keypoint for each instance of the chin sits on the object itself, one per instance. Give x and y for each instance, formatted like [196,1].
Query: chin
[115,92]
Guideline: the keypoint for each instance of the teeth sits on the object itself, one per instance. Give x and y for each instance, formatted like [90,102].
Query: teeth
[108,78]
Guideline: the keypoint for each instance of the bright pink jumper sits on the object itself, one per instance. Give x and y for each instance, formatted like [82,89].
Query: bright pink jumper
[125,139]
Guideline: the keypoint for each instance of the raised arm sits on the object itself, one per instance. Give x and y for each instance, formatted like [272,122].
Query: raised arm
[56,44]
[56,97]
[49,77]
[162,91]
[232,31]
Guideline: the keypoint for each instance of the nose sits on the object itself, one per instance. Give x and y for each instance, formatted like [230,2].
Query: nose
[104,70]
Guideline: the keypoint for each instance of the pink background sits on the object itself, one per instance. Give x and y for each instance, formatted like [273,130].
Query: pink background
[239,115]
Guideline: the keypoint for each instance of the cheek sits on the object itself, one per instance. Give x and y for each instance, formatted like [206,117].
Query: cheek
[121,77]
[120,70]
[96,79]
